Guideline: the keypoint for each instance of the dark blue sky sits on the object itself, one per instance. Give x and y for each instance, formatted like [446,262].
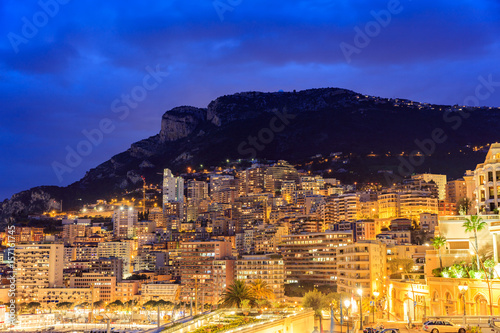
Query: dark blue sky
[62,77]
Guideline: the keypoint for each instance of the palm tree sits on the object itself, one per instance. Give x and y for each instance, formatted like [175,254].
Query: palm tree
[438,242]
[489,264]
[236,293]
[317,301]
[475,224]
[262,290]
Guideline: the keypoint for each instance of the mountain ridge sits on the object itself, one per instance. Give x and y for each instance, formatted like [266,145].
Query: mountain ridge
[274,125]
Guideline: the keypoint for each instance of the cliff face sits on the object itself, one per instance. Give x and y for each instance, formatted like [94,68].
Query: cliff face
[180,122]
[34,201]
[282,125]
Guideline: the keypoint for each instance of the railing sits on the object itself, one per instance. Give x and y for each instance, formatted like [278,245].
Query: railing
[206,319]
[463,217]
[193,320]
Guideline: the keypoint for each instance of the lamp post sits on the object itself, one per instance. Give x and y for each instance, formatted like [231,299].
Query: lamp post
[341,315]
[463,289]
[331,318]
[360,293]
[347,304]
[375,296]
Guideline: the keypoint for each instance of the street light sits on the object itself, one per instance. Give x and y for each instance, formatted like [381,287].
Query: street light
[375,296]
[463,289]
[360,293]
[347,304]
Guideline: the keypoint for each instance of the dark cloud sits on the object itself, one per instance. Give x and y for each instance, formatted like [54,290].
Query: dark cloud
[64,79]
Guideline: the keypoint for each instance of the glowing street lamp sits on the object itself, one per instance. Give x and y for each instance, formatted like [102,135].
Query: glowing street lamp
[360,293]
[347,304]
[463,289]
[375,296]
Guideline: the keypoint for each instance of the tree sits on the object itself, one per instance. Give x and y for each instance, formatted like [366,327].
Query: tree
[317,301]
[401,265]
[236,293]
[116,305]
[137,277]
[163,304]
[438,242]
[149,304]
[130,304]
[489,264]
[64,305]
[83,305]
[475,224]
[169,305]
[32,306]
[262,290]
[463,206]
[99,304]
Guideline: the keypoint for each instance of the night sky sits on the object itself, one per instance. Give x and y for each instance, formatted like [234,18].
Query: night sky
[61,72]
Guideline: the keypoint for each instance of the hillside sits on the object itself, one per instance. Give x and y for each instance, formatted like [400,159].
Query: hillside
[369,131]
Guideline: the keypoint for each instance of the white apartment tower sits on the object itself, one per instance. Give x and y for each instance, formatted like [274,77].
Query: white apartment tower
[173,188]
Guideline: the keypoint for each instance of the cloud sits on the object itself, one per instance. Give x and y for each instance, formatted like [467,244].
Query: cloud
[64,79]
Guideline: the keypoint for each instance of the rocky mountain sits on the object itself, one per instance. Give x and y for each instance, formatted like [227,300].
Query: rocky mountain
[372,132]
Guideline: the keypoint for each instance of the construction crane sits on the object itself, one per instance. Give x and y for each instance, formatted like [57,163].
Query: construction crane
[143,195]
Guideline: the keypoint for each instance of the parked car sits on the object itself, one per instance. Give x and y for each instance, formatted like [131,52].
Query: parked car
[390,330]
[442,326]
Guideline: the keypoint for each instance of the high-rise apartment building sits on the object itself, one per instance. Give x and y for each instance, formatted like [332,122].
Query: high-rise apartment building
[197,190]
[344,207]
[124,220]
[407,204]
[108,266]
[311,257]
[124,250]
[269,268]
[173,188]
[37,266]
[251,181]
[456,190]
[72,231]
[201,269]
[361,265]
[439,180]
